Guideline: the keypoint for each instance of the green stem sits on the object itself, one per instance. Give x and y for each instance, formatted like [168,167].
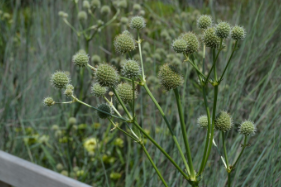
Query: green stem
[154,166]
[214,63]
[228,180]
[213,124]
[112,106]
[133,102]
[161,149]
[183,129]
[122,104]
[142,69]
[209,130]
[116,126]
[228,61]
[224,149]
[244,145]
[169,126]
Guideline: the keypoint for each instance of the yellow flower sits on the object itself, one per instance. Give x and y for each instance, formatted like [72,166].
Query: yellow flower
[90,145]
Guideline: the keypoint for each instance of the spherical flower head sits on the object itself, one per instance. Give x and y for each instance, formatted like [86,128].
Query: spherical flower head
[96,59]
[170,77]
[82,15]
[86,4]
[59,80]
[72,121]
[136,7]
[179,45]
[210,38]
[90,145]
[69,86]
[124,43]
[238,33]
[204,22]
[223,30]
[125,92]
[223,121]
[124,20]
[202,121]
[49,101]
[100,22]
[247,128]
[68,92]
[81,58]
[105,10]
[131,69]
[63,14]
[98,90]
[137,22]
[95,3]
[122,4]
[106,75]
[192,42]
[106,108]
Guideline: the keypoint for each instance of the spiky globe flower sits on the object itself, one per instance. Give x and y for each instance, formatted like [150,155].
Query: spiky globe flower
[137,22]
[86,4]
[136,7]
[202,121]
[63,14]
[49,101]
[204,22]
[72,120]
[104,107]
[125,91]
[106,75]
[131,69]
[82,15]
[124,20]
[179,45]
[192,42]
[210,38]
[96,59]
[124,43]
[95,3]
[223,121]
[170,77]
[69,86]
[223,29]
[247,128]
[59,80]
[238,33]
[81,58]
[98,90]
[68,92]
[105,10]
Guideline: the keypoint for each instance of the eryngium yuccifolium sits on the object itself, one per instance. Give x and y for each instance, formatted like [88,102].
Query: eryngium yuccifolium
[86,4]
[247,128]
[202,121]
[49,101]
[238,33]
[179,45]
[124,20]
[124,43]
[125,92]
[59,79]
[131,69]
[81,59]
[192,42]
[204,22]
[98,90]
[106,75]
[105,10]
[82,15]
[95,3]
[72,120]
[137,22]
[136,7]
[69,86]
[170,77]
[68,92]
[223,29]
[96,59]
[63,14]
[223,121]
[210,38]
[104,107]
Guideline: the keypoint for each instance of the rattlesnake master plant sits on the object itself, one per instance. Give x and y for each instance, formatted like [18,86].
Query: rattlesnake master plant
[123,90]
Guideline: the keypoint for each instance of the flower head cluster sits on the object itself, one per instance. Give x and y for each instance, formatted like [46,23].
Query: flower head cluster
[223,121]
[124,43]
[137,22]
[81,58]
[98,90]
[126,92]
[106,75]
[170,77]
[131,69]
[204,22]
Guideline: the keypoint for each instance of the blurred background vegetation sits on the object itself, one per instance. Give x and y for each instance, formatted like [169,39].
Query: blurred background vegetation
[35,42]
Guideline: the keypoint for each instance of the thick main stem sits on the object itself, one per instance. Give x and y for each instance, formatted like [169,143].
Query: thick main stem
[154,166]
[168,125]
[183,129]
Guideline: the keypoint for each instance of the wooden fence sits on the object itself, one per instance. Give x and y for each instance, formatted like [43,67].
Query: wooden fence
[17,172]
